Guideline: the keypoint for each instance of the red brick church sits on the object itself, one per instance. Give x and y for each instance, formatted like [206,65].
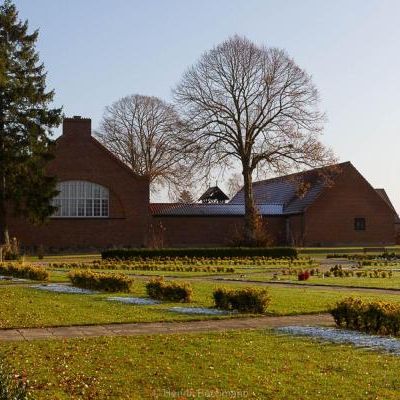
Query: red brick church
[102,203]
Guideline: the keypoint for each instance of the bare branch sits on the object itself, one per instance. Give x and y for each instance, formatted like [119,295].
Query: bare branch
[144,132]
[254,104]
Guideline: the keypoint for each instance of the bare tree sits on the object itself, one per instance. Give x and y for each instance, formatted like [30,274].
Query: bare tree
[143,132]
[255,105]
[235,183]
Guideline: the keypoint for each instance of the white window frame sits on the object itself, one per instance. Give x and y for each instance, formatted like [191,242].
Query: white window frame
[81,199]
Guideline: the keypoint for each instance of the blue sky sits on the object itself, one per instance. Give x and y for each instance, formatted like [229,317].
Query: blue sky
[97,51]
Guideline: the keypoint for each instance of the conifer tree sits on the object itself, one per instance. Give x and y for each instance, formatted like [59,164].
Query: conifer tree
[26,121]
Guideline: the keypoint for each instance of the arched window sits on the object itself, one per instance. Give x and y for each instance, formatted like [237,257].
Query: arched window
[81,199]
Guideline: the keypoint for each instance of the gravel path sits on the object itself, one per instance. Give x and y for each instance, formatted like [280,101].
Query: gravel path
[149,328]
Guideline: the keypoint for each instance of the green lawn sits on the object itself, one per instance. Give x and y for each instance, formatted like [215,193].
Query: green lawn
[27,307]
[64,258]
[60,274]
[246,364]
[388,283]
[323,251]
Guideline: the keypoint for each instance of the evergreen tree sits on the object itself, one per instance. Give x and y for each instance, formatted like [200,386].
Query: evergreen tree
[26,120]
[185,197]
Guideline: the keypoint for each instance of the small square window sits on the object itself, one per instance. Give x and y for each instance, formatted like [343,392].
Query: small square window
[359,224]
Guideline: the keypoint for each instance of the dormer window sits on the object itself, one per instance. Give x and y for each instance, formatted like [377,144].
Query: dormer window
[81,199]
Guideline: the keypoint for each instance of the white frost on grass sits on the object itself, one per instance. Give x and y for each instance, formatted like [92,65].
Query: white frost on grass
[359,339]
[134,300]
[12,279]
[53,287]
[197,310]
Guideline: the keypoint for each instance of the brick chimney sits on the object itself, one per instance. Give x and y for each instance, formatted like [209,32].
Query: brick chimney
[77,126]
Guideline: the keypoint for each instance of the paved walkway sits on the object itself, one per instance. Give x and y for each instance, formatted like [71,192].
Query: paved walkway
[149,328]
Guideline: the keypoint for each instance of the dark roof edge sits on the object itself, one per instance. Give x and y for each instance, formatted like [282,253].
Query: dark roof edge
[301,172]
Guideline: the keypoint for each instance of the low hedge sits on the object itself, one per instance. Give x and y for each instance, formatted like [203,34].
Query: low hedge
[150,265]
[24,272]
[87,279]
[250,300]
[372,317]
[171,291]
[215,252]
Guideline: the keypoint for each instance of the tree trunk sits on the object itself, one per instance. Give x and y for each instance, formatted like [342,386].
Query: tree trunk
[4,235]
[250,218]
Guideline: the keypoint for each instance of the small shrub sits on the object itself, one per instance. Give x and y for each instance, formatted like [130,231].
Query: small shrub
[303,275]
[372,317]
[221,298]
[87,279]
[171,291]
[40,252]
[250,300]
[24,272]
[11,251]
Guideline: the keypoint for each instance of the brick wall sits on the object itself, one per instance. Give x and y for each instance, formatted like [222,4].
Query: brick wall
[80,157]
[295,230]
[330,219]
[207,231]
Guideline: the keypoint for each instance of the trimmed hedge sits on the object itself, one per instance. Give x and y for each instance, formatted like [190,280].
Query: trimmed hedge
[372,317]
[24,272]
[149,265]
[215,252]
[87,279]
[171,291]
[249,300]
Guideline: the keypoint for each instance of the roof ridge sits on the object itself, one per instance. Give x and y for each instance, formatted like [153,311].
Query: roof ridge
[283,177]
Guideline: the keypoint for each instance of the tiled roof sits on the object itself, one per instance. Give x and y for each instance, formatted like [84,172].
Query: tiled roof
[160,208]
[290,194]
[174,209]
[214,193]
[295,191]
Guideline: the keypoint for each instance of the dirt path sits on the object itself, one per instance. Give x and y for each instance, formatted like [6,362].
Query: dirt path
[150,328]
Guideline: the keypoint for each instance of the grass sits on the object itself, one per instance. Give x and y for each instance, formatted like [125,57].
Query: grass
[367,282]
[244,364]
[383,283]
[27,307]
[323,251]
[57,274]
[64,258]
